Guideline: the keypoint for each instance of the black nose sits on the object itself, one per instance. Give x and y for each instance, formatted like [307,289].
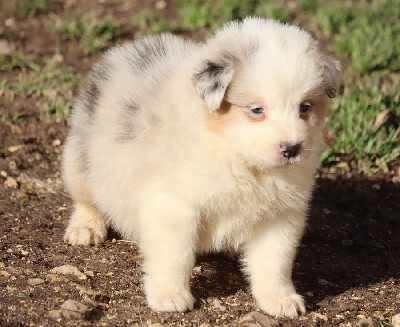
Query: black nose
[289,150]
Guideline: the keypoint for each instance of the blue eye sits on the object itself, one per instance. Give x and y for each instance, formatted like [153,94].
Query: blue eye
[257,110]
[305,107]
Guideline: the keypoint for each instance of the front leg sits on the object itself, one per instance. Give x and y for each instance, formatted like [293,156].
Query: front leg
[168,230]
[268,258]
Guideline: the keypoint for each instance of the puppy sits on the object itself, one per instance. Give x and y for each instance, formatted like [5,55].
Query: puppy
[190,148]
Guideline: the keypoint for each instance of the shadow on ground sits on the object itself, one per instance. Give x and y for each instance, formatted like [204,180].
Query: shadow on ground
[352,241]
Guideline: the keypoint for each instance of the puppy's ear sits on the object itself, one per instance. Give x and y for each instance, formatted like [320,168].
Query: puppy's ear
[213,78]
[332,73]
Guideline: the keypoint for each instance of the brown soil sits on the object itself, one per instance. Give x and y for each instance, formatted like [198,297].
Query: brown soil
[348,266]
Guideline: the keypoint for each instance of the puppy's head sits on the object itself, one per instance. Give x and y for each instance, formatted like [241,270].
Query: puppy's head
[266,87]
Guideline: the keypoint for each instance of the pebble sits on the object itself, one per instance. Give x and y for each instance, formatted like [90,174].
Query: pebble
[5,48]
[396,320]
[218,305]
[160,4]
[4,273]
[316,315]
[35,281]
[71,309]
[10,183]
[68,270]
[56,142]
[14,148]
[322,281]
[257,319]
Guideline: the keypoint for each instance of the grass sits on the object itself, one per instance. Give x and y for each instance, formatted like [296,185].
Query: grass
[363,34]
[25,7]
[17,60]
[93,33]
[52,85]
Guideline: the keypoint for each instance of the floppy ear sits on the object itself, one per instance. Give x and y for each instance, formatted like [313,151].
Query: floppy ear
[332,73]
[212,80]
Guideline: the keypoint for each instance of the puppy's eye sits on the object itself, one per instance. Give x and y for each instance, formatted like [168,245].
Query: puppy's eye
[305,107]
[257,111]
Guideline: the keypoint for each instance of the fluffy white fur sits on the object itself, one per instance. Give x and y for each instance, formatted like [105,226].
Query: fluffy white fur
[164,148]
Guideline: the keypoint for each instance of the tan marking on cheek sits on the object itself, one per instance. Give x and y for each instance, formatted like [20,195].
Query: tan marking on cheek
[226,115]
[257,119]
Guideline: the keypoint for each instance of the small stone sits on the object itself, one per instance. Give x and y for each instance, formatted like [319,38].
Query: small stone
[68,270]
[10,183]
[14,148]
[309,294]
[160,4]
[3,173]
[73,305]
[11,289]
[35,281]
[316,315]
[218,305]
[5,47]
[257,319]
[24,253]
[322,281]
[71,309]
[89,273]
[10,22]
[5,273]
[56,142]
[396,320]
[343,165]
[12,165]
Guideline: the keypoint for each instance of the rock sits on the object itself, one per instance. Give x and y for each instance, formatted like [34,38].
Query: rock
[257,319]
[396,320]
[68,270]
[10,183]
[56,142]
[5,47]
[4,273]
[71,309]
[14,148]
[35,281]
[316,315]
[322,281]
[160,4]
[218,305]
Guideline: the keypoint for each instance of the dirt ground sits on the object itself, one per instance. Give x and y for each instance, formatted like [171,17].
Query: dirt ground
[348,266]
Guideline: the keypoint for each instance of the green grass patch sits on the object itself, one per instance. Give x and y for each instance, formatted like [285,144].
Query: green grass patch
[25,7]
[93,33]
[16,60]
[365,120]
[149,22]
[52,84]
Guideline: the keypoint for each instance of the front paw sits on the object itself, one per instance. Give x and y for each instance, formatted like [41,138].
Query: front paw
[282,305]
[85,235]
[167,300]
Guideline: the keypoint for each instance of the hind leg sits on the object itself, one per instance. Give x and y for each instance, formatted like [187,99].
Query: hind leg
[86,226]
